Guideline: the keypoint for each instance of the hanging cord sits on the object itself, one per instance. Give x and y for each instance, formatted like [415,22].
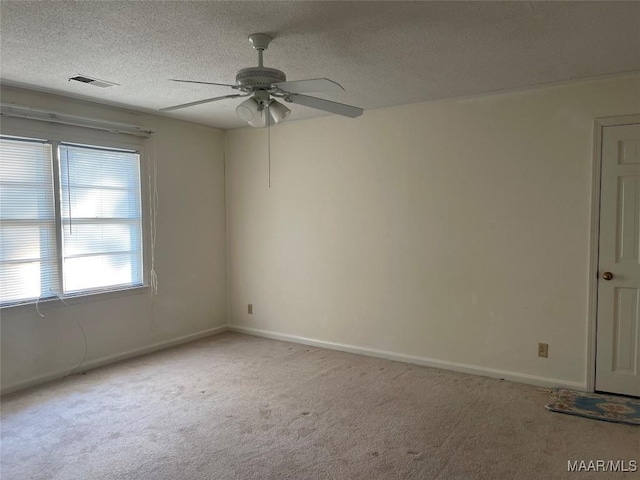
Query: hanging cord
[84,335]
[154,202]
[40,296]
[269,142]
[38,309]
[66,151]
[86,348]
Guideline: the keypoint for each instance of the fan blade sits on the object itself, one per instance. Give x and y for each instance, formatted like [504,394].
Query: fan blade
[204,83]
[326,105]
[199,102]
[312,85]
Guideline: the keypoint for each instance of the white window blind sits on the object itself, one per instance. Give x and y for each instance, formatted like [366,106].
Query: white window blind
[101,216]
[28,253]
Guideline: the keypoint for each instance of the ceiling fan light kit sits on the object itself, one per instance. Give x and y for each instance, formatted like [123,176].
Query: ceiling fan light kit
[256,109]
[278,111]
[263,85]
[248,109]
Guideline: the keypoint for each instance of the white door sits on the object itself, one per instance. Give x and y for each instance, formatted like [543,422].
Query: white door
[618,324]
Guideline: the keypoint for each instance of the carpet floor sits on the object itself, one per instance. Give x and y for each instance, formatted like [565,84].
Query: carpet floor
[239,407]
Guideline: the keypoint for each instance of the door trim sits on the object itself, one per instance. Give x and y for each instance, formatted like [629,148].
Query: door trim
[594,238]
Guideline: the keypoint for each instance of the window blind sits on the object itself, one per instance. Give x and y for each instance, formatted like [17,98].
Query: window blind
[28,254]
[101,216]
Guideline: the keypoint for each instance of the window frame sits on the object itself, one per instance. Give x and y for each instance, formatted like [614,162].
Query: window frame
[55,134]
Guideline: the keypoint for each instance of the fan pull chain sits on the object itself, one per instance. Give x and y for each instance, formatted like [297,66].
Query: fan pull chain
[269,142]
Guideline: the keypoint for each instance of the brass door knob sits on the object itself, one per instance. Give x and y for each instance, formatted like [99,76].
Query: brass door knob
[607,276]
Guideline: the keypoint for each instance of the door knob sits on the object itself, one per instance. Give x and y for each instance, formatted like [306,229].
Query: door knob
[607,276]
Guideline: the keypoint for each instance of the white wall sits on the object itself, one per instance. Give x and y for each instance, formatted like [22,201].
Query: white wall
[190,260]
[456,231]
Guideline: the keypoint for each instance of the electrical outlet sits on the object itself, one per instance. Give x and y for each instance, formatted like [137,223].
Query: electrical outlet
[250,309]
[543,350]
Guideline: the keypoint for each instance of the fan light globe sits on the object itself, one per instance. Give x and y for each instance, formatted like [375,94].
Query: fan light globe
[248,110]
[259,120]
[278,111]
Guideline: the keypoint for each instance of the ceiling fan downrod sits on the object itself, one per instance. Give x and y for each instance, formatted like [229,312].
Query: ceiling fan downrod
[260,42]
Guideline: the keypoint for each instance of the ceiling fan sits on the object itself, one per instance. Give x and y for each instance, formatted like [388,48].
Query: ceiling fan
[263,85]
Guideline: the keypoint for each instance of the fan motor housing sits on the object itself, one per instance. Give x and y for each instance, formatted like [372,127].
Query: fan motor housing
[259,77]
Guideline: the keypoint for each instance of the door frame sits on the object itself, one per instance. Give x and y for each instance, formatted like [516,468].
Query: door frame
[594,240]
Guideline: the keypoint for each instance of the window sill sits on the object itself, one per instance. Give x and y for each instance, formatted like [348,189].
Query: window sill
[80,298]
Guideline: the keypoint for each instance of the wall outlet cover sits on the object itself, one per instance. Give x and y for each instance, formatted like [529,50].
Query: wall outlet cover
[543,350]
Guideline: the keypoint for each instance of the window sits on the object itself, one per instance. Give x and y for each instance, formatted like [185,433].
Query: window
[101,218]
[71,218]
[28,263]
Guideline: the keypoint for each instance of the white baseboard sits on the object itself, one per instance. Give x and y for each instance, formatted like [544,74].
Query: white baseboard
[14,387]
[427,362]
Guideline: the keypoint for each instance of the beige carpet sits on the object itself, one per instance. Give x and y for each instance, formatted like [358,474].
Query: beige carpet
[239,407]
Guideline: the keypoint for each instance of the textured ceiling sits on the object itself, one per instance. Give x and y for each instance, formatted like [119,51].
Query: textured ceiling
[383,53]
